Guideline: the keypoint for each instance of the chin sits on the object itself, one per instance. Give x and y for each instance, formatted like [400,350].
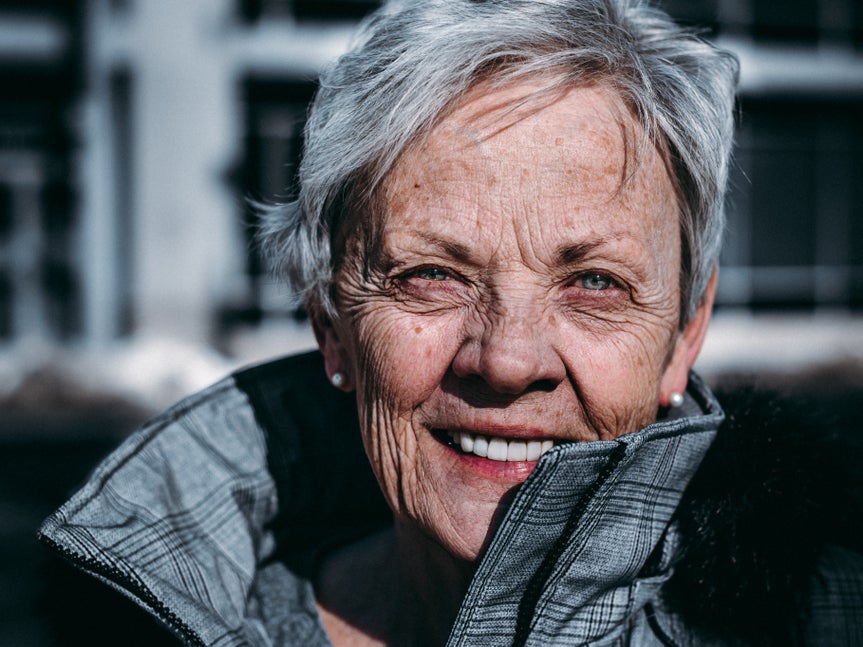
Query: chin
[464,526]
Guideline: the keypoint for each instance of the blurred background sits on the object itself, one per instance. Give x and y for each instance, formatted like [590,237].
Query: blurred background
[133,132]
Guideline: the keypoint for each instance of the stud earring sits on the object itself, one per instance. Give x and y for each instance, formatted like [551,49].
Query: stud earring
[675,399]
[337,379]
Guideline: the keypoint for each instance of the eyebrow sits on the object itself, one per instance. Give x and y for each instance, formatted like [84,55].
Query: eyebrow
[451,248]
[576,252]
[579,252]
[568,254]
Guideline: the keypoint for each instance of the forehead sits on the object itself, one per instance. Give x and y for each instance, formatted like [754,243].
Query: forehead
[556,129]
[527,147]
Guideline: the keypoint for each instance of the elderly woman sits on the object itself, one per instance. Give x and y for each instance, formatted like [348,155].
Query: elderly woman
[506,235]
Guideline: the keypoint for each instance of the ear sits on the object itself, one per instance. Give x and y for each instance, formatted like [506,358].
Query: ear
[688,345]
[331,347]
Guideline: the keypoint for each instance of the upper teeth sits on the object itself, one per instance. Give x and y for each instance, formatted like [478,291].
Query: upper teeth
[500,449]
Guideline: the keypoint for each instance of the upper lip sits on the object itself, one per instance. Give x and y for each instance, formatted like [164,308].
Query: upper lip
[510,432]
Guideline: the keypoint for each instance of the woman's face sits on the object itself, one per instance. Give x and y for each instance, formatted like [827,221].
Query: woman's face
[524,291]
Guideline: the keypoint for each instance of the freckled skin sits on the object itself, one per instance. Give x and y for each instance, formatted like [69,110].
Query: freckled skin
[522,282]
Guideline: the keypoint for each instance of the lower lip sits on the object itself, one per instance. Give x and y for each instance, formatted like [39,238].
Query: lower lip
[513,471]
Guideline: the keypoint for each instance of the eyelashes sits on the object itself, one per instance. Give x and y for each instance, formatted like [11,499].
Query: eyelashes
[435,274]
[596,281]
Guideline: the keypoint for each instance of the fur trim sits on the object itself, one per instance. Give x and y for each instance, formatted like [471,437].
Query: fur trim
[772,491]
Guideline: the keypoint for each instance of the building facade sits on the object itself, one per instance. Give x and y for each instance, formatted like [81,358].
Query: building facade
[133,134]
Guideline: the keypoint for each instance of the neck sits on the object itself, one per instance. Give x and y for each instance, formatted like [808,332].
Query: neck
[432,585]
[394,588]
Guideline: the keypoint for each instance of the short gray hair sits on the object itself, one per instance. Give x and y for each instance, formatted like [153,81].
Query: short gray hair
[414,59]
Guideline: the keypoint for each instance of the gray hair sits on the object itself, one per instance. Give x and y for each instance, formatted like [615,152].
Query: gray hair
[414,59]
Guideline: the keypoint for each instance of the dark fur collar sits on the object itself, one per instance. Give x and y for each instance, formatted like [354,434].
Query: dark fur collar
[773,490]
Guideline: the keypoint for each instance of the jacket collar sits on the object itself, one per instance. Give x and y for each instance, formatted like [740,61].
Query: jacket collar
[277,454]
[588,530]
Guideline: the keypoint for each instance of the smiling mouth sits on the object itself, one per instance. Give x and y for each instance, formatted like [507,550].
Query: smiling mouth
[499,449]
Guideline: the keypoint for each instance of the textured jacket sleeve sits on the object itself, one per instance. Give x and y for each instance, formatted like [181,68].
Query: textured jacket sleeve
[836,602]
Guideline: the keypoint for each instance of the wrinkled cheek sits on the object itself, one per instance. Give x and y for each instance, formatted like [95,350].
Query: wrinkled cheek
[623,394]
[388,446]
[385,407]
[379,354]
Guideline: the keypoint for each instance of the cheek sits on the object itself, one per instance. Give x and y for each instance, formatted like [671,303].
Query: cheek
[618,376]
[400,361]
[402,356]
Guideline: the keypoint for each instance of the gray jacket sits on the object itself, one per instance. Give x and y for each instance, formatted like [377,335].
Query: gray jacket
[213,516]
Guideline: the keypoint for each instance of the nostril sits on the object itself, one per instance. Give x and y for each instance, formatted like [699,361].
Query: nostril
[477,392]
[515,372]
[543,385]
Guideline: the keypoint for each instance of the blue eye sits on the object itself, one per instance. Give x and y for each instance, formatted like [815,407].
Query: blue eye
[432,274]
[595,281]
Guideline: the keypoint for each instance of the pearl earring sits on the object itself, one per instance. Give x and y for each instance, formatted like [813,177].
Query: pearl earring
[675,399]
[337,379]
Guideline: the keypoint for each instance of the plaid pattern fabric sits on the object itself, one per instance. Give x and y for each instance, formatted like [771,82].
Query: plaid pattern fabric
[837,600]
[205,518]
[602,509]
[175,518]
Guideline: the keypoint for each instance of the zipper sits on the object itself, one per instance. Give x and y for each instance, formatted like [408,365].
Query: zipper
[115,575]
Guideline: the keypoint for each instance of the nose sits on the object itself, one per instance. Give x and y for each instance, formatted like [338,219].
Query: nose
[512,350]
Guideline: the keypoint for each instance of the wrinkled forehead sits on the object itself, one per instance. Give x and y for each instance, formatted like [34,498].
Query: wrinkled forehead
[609,156]
[584,135]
